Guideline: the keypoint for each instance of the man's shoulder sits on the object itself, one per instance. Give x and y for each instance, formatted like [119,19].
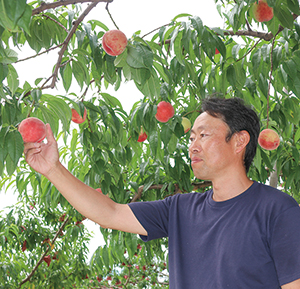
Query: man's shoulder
[271,195]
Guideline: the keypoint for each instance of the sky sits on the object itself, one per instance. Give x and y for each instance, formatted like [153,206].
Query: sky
[130,16]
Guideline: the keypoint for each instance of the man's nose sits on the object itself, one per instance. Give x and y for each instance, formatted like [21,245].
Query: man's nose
[193,148]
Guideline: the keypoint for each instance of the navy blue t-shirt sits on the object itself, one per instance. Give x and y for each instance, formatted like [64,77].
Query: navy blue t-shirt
[251,241]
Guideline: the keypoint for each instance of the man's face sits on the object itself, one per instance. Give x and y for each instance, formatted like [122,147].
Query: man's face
[211,156]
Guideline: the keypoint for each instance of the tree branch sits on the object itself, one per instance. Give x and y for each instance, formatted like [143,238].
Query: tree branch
[45,253]
[66,42]
[45,6]
[196,186]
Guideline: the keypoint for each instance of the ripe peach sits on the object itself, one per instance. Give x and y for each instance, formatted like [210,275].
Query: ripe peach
[262,11]
[186,123]
[217,51]
[114,42]
[32,129]
[269,139]
[165,111]
[76,117]
[142,136]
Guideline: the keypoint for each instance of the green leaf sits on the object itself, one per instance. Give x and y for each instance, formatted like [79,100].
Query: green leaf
[290,68]
[198,24]
[297,135]
[181,15]
[284,16]
[80,73]
[293,5]
[178,49]
[36,94]
[12,79]
[120,60]
[10,165]
[10,56]
[66,73]
[14,143]
[24,21]
[231,75]
[11,12]
[111,100]
[3,71]
[139,56]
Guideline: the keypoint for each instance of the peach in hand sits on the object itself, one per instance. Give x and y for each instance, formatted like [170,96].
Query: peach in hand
[32,129]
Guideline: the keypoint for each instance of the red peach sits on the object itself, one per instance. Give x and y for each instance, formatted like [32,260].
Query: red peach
[76,117]
[114,42]
[262,11]
[269,139]
[32,129]
[165,111]
[142,136]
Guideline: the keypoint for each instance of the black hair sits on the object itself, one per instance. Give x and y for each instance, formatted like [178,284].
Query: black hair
[238,117]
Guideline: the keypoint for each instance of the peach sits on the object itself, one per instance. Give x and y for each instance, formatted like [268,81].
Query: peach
[32,129]
[114,42]
[186,123]
[268,139]
[262,11]
[76,117]
[165,111]
[142,136]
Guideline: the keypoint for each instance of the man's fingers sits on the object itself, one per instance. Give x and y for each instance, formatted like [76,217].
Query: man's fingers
[49,134]
[31,148]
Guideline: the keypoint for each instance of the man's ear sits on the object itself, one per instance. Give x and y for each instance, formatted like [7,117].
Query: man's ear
[242,139]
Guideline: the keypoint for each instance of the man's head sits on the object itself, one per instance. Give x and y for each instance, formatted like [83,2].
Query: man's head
[238,117]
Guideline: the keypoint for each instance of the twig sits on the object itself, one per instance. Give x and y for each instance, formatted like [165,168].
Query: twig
[155,30]
[249,50]
[270,78]
[46,51]
[110,16]
[45,6]
[45,253]
[66,42]
[58,23]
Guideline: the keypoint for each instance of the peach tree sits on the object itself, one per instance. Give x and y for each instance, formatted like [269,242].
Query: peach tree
[44,242]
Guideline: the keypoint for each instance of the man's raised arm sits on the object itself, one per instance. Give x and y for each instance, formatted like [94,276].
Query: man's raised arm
[44,158]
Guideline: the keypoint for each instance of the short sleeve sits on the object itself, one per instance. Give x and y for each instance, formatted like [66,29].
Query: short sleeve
[153,216]
[285,245]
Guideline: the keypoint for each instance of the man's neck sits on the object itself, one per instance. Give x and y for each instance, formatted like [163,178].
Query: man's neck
[225,190]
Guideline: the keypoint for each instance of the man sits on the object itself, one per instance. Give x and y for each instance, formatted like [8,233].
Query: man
[240,234]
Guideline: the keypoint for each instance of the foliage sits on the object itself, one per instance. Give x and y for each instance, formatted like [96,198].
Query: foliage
[178,63]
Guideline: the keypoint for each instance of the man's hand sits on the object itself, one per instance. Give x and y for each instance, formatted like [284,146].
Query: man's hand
[43,157]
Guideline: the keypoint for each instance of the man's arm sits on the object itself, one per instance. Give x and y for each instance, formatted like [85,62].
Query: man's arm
[44,158]
[293,285]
